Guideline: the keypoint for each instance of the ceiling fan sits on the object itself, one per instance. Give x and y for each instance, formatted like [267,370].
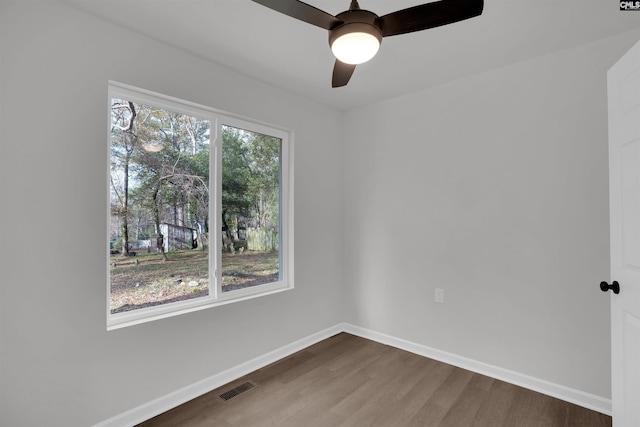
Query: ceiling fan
[355,34]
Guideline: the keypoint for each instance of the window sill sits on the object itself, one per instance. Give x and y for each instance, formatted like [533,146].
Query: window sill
[123,320]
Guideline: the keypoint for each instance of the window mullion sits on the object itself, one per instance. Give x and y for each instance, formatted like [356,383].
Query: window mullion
[216,247]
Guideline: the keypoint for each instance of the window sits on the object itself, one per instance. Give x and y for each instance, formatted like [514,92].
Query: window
[199,208]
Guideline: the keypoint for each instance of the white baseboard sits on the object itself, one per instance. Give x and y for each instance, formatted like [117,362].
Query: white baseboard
[155,407]
[580,398]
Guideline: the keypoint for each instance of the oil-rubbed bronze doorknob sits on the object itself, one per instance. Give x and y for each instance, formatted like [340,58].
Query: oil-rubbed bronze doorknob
[614,286]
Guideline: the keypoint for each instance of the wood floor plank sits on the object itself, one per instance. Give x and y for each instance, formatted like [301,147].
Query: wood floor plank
[496,406]
[348,381]
[452,388]
[578,416]
[466,406]
[420,394]
[429,415]
[531,409]
[317,405]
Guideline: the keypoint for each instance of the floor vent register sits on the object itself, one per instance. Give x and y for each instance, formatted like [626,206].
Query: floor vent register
[236,391]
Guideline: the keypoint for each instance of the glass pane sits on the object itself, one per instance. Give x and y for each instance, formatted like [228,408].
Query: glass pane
[250,209]
[159,206]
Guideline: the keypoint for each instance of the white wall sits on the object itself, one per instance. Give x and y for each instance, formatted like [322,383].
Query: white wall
[494,188]
[59,365]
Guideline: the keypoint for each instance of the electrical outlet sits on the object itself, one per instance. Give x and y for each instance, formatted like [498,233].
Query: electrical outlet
[440,295]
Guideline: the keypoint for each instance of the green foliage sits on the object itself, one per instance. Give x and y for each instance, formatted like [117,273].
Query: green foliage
[236,200]
[250,177]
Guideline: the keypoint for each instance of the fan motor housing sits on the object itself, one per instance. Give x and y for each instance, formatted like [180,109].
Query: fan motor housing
[356,21]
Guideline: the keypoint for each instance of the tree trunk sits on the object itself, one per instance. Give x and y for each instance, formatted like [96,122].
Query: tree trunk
[156,219]
[227,230]
[124,212]
[130,140]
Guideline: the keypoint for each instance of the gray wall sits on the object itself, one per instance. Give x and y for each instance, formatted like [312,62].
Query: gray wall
[59,365]
[494,188]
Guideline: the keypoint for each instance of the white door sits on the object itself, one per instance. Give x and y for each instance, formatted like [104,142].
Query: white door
[624,183]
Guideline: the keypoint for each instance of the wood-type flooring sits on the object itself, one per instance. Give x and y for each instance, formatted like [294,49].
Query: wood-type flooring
[350,381]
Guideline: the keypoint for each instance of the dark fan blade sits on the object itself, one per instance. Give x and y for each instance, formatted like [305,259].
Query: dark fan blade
[302,11]
[428,16]
[341,73]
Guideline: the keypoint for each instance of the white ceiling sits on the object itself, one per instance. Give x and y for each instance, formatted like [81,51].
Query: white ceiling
[294,55]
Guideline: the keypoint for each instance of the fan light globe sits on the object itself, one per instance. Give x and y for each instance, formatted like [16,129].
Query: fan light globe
[355,48]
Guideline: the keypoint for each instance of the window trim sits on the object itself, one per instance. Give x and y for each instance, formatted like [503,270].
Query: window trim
[216,297]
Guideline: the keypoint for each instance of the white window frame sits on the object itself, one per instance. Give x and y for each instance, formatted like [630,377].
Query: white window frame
[216,297]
